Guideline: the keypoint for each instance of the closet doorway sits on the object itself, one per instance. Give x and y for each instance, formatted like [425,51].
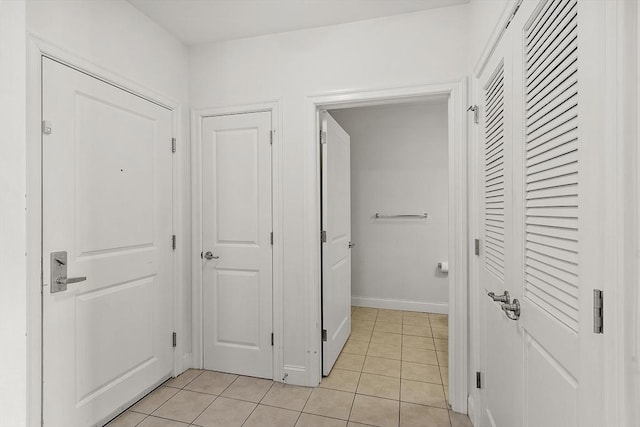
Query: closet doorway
[385,198]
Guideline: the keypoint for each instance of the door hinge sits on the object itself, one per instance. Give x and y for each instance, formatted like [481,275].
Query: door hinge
[598,317]
[173,145]
[271,339]
[174,336]
[323,236]
[323,136]
[476,113]
[476,246]
[324,335]
[173,242]
[478,380]
[46,127]
[272,238]
[271,132]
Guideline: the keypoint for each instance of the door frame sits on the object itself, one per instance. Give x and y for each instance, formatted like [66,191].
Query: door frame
[613,186]
[37,49]
[197,115]
[459,247]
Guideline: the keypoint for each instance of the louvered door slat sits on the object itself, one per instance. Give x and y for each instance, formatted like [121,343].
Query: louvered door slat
[551,166]
[494,196]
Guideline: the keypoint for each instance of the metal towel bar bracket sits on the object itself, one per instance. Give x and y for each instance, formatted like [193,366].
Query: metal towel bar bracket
[421,216]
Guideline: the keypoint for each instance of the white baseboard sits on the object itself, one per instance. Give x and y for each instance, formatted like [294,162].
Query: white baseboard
[398,304]
[296,375]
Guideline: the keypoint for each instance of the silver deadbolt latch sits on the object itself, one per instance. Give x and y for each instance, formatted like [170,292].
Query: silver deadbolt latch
[59,279]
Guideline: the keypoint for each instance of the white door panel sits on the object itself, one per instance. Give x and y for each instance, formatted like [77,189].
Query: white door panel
[107,202]
[555,159]
[237,284]
[336,253]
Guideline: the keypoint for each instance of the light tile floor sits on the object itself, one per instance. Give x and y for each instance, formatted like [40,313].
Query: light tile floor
[392,372]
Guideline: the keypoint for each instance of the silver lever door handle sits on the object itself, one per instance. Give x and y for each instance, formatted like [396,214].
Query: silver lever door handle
[504,298]
[351,245]
[512,310]
[209,255]
[69,280]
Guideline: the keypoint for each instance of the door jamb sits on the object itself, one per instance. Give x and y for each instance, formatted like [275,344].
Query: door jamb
[458,219]
[38,48]
[197,115]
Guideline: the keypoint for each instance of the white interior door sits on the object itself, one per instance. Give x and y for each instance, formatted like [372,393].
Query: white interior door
[236,240]
[555,237]
[336,246]
[107,203]
[501,353]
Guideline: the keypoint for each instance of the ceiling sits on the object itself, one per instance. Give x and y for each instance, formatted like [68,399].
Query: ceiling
[202,21]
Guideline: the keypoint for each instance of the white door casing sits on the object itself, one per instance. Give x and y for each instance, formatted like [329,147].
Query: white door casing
[236,230]
[107,202]
[557,209]
[336,251]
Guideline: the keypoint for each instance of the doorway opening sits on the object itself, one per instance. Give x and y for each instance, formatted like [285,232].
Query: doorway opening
[404,229]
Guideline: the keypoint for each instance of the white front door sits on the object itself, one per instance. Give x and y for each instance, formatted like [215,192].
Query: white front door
[336,246]
[107,203]
[236,242]
[551,359]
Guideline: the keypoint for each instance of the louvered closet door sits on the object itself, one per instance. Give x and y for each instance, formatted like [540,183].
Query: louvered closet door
[552,139]
[500,352]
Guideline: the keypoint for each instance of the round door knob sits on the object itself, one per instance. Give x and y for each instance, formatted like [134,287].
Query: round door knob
[209,255]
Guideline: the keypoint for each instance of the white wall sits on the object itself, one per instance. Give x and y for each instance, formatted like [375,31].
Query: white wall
[412,49]
[13,291]
[484,17]
[115,36]
[399,164]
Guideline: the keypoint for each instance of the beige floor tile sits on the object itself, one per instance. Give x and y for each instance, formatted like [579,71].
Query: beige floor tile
[364,315]
[379,386]
[443,358]
[459,420]
[287,396]
[375,411]
[412,415]
[392,328]
[329,403]
[441,333]
[355,347]
[421,372]
[366,310]
[441,345]
[350,362]
[423,343]
[155,399]
[341,379]
[360,335]
[414,320]
[185,406]
[389,316]
[444,374]
[309,420]
[422,393]
[421,331]
[225,412]
[439,321]
[446,394]
[367,325]
[352,424]
[383,350]
[160,422]
[381,366]
[248,388]
[127,419]
[268,416]
[423,314]
[211,382]
[419,356]
[184,378]
[386,338]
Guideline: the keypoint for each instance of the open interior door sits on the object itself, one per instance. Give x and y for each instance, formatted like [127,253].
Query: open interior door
[336,240]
